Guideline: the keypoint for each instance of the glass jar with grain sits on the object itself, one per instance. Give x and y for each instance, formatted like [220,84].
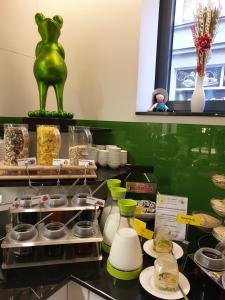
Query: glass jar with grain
[48,144]
[16,140]
[80,139]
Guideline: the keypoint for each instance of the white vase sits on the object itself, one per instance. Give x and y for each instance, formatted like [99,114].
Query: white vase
[198,97]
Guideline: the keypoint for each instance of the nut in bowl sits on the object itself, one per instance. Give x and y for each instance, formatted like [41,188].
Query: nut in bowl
[219,180]
[219,233]
[208,221]
[218,205]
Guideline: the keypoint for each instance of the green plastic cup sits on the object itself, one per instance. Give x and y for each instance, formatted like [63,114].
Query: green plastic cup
[127,207]
[118,193]
[113,183]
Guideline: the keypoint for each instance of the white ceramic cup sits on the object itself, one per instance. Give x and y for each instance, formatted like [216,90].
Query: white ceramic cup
[93,153]
[100,147]
[123,157]
[114,158]
[103,157]
[110,147]
[113,165]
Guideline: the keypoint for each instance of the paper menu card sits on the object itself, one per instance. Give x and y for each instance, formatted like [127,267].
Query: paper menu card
[167,207]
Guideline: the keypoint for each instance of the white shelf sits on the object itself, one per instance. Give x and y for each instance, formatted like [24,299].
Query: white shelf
[205,88]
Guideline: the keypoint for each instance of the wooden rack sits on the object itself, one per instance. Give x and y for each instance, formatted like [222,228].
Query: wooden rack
[46,172]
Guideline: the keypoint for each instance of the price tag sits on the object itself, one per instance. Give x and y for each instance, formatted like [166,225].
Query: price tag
[40,198]
[95,201]
[26,161]
[61,162]
[86,162]
[147,234]
[188,219]
[140,187]
[139,226]
[34,200]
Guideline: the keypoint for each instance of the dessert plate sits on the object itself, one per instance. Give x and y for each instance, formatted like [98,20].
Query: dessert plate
[146,279]
[148,248]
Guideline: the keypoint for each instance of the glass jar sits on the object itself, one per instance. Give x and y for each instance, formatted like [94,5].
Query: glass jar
[113,219]
[162,241]
[16,139]
[108,204]
[166,273]
[48,144]
[80,139]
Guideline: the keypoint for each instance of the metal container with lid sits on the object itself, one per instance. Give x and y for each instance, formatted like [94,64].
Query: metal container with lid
[23,232]
[83,229]
[80,199]
[210,258]
[56,200]
[53,230]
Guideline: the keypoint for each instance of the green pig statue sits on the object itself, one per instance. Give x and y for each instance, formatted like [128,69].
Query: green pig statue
[49,66]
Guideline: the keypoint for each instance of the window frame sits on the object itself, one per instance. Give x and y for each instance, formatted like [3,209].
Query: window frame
[166,22]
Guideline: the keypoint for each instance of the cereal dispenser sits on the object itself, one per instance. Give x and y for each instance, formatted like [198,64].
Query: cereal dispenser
[16,139]
[80,138]
[48,144]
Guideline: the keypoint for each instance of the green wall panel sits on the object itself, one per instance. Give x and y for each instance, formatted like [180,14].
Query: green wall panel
[184,156]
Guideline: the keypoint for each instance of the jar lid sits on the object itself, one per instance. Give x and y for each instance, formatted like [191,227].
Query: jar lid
[113,183]
[118,192]
[127,207]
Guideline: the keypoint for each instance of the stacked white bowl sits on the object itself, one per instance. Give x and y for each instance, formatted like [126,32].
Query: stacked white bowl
[111,155]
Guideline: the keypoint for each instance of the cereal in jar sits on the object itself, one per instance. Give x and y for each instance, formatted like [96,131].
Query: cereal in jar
[48,144]
[80,139]
[16,139]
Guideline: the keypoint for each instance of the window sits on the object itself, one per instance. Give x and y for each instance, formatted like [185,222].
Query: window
[176,57]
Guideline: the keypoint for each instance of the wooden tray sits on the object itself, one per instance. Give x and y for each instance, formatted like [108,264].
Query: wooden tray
[46,172]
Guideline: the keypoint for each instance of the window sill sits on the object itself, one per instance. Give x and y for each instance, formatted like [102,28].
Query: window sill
[213,108]
[181,113]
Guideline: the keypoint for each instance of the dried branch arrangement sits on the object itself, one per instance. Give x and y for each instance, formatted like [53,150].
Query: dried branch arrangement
[204,31]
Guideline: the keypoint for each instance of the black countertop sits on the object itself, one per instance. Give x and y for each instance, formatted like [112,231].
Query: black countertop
[22,284]
[43,281]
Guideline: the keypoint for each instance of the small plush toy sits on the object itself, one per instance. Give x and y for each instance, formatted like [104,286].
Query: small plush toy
[159,98]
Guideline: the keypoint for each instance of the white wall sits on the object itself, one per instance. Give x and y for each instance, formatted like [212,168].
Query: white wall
[101,42]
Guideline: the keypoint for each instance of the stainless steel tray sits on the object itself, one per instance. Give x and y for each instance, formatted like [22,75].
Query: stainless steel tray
[14,265]
[39,257]
[69,238]
[45,208]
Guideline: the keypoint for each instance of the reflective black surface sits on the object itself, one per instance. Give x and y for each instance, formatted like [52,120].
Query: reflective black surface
[46,280]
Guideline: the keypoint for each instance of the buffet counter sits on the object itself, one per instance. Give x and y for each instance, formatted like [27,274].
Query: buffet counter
[48,282]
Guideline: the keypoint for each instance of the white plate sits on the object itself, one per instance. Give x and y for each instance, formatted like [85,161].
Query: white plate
[148,248]
[147,281]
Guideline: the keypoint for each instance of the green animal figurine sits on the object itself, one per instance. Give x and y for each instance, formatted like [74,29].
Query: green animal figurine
[49,66]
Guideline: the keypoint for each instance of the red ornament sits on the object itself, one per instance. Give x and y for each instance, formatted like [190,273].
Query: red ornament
[203,43]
